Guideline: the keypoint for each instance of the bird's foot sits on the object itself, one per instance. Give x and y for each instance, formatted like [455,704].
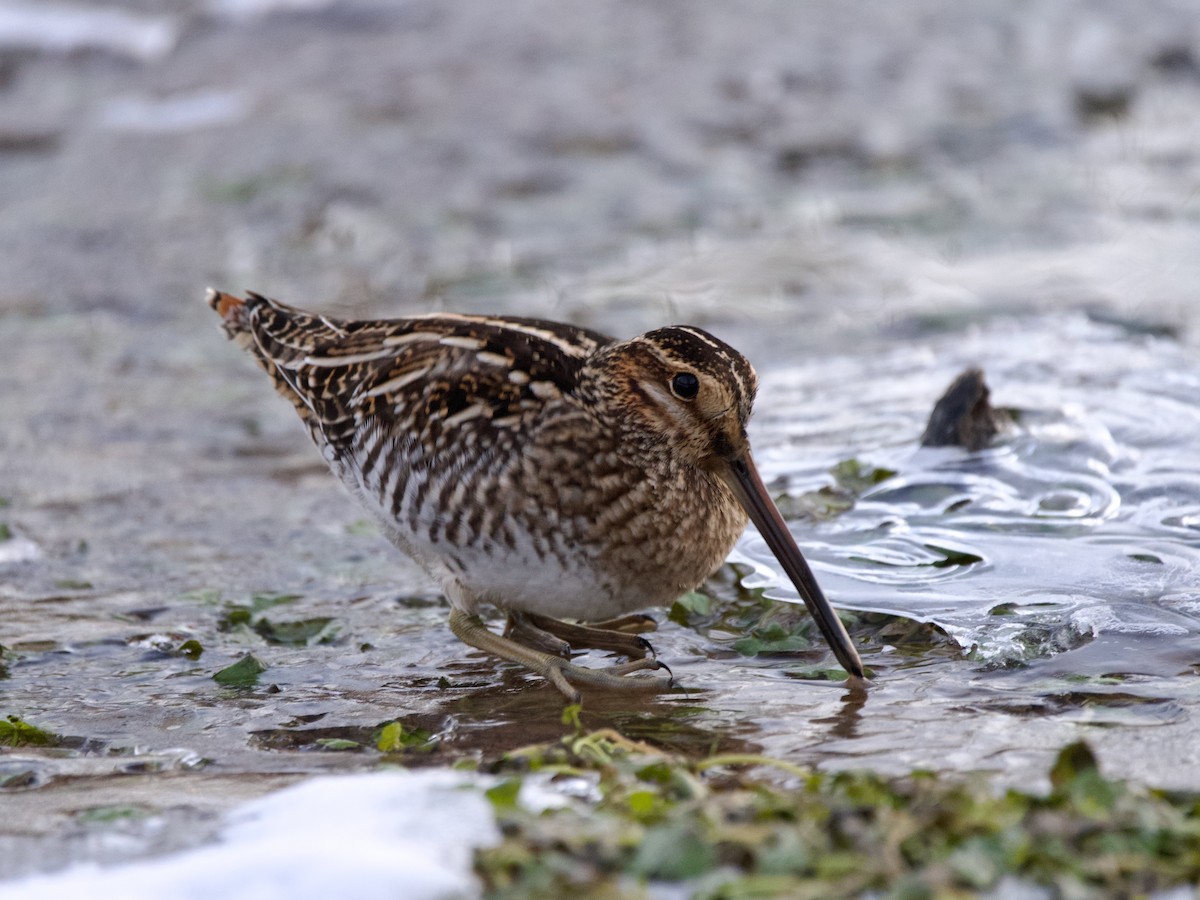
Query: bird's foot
[566,676]
[563,674]
[634,623]
[518,627]
[560,638]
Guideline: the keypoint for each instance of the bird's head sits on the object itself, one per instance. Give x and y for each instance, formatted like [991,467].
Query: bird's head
[683,390]
[686,392]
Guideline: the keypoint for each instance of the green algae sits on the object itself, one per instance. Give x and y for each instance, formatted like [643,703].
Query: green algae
[748,826]
[394,737]
[16,732]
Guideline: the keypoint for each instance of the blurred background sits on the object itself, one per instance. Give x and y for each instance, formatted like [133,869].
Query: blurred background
[863,197]
[843,167]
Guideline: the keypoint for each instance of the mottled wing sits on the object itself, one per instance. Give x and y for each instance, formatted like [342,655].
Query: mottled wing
[422,377]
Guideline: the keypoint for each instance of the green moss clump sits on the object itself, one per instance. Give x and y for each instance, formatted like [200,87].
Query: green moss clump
[721,828]
[16,732]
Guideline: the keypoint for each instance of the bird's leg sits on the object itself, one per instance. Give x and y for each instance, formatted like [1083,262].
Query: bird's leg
[562,674]
[597,637]
[634,623]
[520,628]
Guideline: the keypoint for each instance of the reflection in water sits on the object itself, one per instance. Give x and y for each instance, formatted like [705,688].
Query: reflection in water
[844,723]
[493,709]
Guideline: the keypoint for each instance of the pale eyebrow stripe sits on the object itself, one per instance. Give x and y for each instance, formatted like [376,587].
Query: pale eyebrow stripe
[700,337]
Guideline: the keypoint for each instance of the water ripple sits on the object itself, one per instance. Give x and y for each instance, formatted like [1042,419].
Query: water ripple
[1084,519]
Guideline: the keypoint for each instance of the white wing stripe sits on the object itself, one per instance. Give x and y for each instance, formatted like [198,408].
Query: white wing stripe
[394,384]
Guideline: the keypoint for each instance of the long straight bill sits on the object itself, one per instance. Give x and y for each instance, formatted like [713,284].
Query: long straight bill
[750,491]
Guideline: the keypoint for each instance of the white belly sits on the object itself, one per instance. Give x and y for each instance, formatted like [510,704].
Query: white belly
[546,576]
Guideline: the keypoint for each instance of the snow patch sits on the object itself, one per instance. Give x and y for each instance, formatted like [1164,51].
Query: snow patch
[379,835]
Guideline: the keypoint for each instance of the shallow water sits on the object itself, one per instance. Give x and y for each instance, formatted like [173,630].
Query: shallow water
[1054,572]
[1080,522]
[1077,601]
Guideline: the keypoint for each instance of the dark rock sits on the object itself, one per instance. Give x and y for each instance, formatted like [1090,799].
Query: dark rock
[964,417]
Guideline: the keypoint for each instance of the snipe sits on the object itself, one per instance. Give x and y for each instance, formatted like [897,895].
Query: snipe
[545,469]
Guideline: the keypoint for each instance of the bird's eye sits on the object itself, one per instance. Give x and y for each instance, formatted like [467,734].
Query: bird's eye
[685,386]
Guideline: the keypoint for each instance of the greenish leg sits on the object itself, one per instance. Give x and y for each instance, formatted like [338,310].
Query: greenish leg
[519,628]
[564,675]
[593,636]
[634,623]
